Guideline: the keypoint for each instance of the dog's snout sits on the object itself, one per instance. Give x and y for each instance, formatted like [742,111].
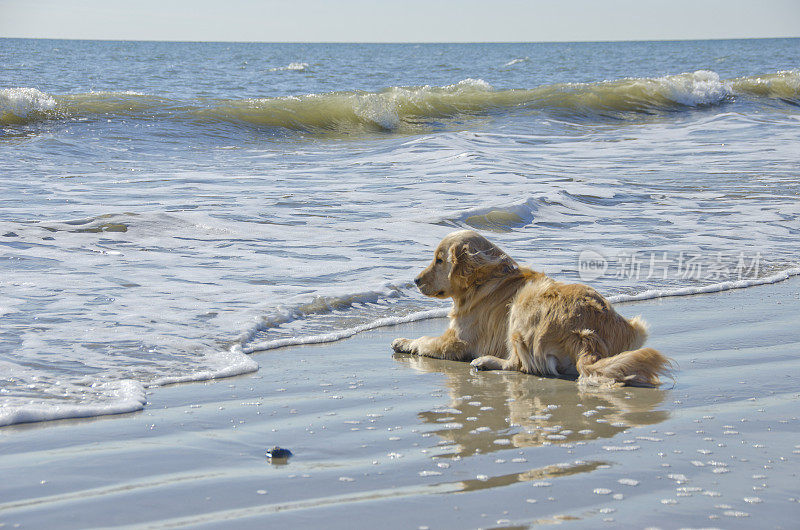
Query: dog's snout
[417,281]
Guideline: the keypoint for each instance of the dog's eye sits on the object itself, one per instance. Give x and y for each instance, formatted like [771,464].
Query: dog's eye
[439,260]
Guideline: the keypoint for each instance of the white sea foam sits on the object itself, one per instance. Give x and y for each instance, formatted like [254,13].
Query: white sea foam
[119,397]
[380,109]
[345,333]
[123,396]
[21,102]
[227,363]
[321,305]
[699,88]
[471,83]
[712,288]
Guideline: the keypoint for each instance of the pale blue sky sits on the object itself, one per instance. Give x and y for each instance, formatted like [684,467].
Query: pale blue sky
[399,20]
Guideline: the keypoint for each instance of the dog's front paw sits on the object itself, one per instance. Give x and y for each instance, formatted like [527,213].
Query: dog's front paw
[402,345]
[487,362]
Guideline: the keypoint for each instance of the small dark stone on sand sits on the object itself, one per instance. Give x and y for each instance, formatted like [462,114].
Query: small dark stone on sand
[10,234]
[278,452]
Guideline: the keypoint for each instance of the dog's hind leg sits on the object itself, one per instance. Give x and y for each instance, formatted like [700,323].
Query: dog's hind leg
[537,359]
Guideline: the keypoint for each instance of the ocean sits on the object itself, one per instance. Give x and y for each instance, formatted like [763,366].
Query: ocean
[170,209]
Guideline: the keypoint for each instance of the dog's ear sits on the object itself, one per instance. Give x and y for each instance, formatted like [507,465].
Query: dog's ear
[471,268]
[461,266]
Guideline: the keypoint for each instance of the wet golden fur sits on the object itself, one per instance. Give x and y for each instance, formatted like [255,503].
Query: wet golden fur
[507,317]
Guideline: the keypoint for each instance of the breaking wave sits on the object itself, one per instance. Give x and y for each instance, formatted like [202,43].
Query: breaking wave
[407,108]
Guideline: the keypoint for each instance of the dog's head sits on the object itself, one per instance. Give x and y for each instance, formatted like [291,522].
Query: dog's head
[463,261]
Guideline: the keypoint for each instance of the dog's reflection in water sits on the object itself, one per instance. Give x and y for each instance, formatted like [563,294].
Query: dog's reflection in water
[501,410]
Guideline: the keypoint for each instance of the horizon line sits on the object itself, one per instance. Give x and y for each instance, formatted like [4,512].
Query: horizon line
[601,41]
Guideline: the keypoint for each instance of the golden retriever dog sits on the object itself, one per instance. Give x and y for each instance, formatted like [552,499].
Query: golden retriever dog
[507,317]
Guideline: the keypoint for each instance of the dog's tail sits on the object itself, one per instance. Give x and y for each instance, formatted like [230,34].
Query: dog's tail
[636,367]
[642,367]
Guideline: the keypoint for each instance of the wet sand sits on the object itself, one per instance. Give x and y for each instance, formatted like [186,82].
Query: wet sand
[405,442]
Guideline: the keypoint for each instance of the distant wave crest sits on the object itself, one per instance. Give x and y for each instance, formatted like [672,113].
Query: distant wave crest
[516,61]
[401,108]
[291,67]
